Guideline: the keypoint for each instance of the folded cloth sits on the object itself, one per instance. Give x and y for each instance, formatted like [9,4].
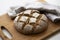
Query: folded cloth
[13,11]
[53,18]
[51,11]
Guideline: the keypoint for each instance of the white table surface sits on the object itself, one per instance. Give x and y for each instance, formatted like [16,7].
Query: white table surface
[5,4]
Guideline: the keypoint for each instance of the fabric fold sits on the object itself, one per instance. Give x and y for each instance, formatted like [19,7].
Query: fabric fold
[51,11]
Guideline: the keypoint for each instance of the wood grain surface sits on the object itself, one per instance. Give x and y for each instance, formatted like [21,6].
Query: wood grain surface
[9,25]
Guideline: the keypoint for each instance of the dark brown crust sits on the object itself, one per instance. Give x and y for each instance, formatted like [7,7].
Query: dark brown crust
[37,23]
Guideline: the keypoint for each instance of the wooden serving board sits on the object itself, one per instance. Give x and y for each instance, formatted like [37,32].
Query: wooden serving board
[9,25]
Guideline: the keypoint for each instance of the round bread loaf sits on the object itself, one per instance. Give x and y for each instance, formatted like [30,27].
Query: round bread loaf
[30,22]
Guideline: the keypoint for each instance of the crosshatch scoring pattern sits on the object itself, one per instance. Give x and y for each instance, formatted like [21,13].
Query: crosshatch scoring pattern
[30,20]
[30,16]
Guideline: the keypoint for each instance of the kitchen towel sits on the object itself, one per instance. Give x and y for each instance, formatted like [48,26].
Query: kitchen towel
[51,11]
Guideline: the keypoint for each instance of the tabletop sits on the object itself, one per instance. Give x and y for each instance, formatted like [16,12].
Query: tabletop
[5,4]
